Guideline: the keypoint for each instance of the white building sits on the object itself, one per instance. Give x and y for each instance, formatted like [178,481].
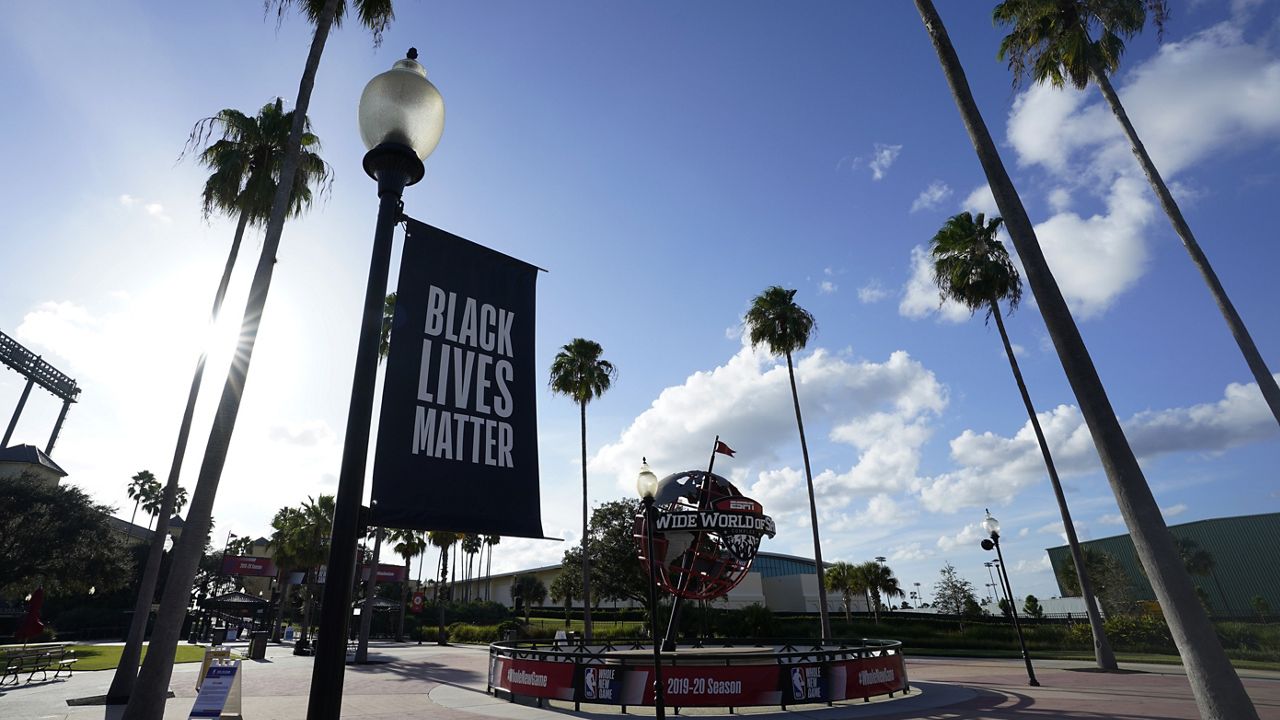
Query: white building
[782,583]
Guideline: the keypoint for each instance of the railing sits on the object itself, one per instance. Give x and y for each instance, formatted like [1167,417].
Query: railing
[708,673]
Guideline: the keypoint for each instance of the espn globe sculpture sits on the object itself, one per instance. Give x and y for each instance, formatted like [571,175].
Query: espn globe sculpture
[706,534]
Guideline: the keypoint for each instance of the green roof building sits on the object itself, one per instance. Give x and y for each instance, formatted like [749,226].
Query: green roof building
[1245,553]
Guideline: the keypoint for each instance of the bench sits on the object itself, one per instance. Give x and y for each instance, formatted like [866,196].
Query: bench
[37,661]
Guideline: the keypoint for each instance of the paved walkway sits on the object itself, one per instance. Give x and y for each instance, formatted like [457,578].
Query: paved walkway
[448,683]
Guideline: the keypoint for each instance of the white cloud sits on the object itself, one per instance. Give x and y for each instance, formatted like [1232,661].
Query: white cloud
[1096,258]
[1060,199]
[826,287]
[970,535]
[980,200]
[152,209]
[882,159]
[1209,95]
[908,553]
[920,296]
[880,409]
[872,292]
[993,467]
[931,196]
[1174,510]
[1110,520]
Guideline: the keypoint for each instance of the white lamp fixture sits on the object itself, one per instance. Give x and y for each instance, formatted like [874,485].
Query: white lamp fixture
[991,525]
[401,106]
[646,481]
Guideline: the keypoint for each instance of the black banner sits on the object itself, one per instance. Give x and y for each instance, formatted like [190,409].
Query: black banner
[457,437]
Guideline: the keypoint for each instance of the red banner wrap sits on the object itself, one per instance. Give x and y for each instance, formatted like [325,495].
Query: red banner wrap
[534,678]
[863,678]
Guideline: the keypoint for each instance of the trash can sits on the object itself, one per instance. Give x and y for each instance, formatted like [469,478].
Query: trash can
[258,645]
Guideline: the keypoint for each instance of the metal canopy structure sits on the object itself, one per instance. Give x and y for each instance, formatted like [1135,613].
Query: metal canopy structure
[37,372]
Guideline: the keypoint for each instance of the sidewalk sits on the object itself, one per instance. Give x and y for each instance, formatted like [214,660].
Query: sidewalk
[448,683]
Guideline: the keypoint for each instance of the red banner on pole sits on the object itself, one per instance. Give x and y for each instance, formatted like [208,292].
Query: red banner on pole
[386,573]
[417,603]
[244,565]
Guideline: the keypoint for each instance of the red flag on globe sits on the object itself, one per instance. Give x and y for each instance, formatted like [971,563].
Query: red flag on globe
[723,449]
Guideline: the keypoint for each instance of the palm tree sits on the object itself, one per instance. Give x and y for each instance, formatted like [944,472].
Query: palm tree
[388,315]
[408,544]
[158,668]
[972,267]
[880,582]
[288,540]
[1053,40]
[489,540]
[370,595]
[317,527]
[1218,690]
[579,372]
[245,166]
[472,543]
[140,488]
[844,578]
[775,320]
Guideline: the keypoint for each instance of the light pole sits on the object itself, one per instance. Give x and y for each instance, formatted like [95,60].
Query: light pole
[992,526]
[647,487]
[879,576]
[401,118]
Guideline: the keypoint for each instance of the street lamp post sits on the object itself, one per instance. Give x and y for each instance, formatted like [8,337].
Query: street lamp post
[647,486]
[992,526]
[401,117]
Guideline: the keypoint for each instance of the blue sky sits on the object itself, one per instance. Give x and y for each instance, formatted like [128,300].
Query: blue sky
[666,162]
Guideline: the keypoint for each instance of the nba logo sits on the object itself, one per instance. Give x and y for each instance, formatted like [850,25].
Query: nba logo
[589,683]
[797,683]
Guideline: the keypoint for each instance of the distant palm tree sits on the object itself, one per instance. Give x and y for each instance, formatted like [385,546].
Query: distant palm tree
[580,372]
[490,540]
[140,488]
[245,164]
[1214,682]
[880,583]
[388,315]
[407,544]
[472,543]
[1081,41]
[153,680]
[972,267]
[846,579]
[776,321]
[317,526]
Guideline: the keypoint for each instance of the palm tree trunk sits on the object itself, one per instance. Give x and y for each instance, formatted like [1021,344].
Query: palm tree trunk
[282,582]
[404,600]
[813,510]
[488,575]
[127,671]
[148,699]
[1102,655]
[134,516]
[371,592]
[586,556]
[1219,693]
[1261,374]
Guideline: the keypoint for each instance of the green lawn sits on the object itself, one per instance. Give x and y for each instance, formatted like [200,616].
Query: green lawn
[106,657]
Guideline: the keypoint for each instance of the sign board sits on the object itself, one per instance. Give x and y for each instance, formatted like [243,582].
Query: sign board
[457,442]
[386,573]
[220,692]
[245,565]
[211,656]
[417,603]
